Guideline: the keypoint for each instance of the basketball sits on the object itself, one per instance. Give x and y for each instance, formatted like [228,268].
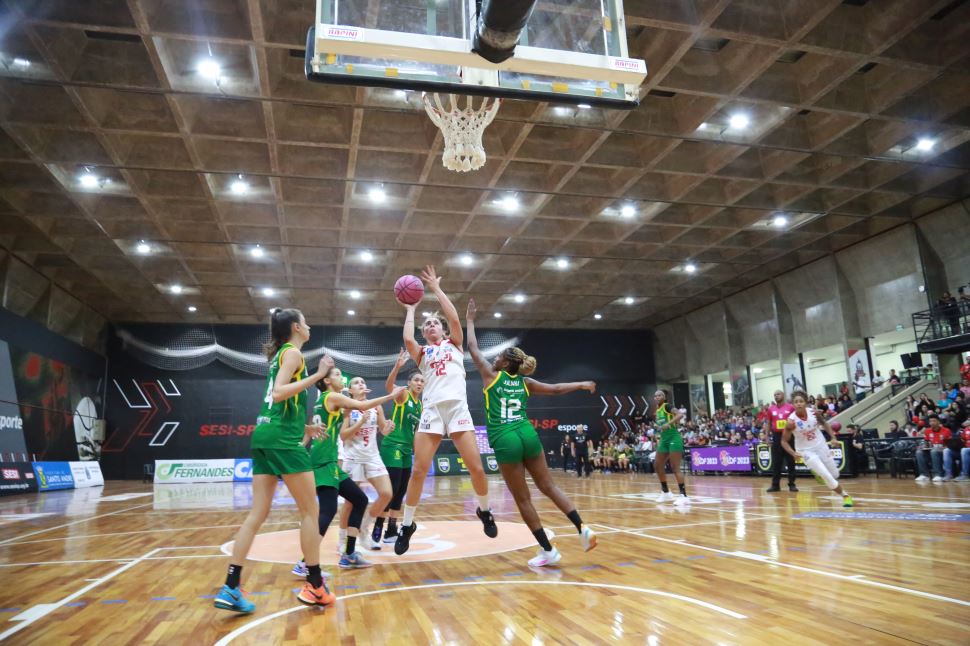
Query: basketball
[836,426]
[408,289]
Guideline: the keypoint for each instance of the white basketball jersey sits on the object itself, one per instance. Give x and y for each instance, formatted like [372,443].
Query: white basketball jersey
[808,432]
[362,445]
[443,368]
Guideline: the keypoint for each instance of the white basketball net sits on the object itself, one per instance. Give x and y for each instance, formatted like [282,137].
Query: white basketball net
[462,128]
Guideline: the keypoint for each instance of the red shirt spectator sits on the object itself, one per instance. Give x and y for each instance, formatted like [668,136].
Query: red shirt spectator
[964,434]
[938,437]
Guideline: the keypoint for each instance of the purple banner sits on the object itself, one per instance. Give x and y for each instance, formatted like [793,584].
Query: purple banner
[720,458]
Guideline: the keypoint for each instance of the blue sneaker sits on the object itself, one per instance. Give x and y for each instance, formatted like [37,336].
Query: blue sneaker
[300,570]
[353,561]
[233,599]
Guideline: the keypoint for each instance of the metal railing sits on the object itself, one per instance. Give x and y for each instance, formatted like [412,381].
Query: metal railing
[942,322]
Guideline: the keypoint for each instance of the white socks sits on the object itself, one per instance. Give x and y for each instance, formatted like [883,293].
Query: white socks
[483,502]
[408,515]
[342,538]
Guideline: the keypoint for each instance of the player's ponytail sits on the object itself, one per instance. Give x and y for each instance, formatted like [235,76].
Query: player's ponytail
[280,329]
[520,363]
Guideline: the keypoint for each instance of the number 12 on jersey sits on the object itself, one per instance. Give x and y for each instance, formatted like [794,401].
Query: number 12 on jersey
[509,409]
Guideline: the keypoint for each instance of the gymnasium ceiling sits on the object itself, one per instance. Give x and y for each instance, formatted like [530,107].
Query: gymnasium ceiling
[838,95]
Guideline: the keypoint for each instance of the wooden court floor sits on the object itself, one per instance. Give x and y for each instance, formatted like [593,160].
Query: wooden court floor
[137,564]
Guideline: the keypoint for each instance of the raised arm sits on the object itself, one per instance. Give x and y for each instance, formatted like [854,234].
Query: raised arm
[539,388]
[338,400]
[384,425]
[412,345]
[391,378]
[433,282]
[484,368]
[289,364]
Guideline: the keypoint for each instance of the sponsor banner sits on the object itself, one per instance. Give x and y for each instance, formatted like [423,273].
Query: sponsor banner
[720,458]
[180,471]
[86,474]
[763,460]
[53,475]
[452,464]
[17,477]
[243,471]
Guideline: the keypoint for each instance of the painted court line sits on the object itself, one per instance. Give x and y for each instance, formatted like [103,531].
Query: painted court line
[660,593]
[145,531]
[76,522]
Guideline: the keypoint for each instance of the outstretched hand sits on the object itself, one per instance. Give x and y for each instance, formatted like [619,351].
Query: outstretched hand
[402,358]
[430,278]
[471,311]
[325,365]
[590,386]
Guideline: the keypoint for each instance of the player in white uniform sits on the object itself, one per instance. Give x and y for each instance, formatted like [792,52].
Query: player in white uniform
[363,463]
[807,426]
[445,400]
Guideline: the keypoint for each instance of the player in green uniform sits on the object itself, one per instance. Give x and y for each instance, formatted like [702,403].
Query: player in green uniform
[397,448]
[670,448]
[515,441]
[330,479]
[278,452]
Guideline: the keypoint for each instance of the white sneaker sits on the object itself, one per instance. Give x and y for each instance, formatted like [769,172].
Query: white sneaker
[922,479]
[587,538]
[961,478]
[938,479]
[682,500]
[544,558]
[666,496]
[341,542]
[367,542]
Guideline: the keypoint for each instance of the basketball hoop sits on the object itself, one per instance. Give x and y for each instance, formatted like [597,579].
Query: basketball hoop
[462,129]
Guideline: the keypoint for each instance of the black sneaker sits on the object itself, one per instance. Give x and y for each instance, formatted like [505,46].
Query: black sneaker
[792,487]
[390,534]
[491,530]
[774,489]
[403,541]
[375,535]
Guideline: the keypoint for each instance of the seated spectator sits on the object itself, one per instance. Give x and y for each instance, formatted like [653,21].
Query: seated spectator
[965,388]
[935,439]
[964,436]
[895,433]
[844,403]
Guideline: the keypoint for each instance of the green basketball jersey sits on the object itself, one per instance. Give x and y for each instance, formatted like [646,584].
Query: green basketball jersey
[324,451]
[405,417]
[505,400]
[664,416]
[280,424]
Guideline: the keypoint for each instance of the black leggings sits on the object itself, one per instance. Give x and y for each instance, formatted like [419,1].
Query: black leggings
[349,491]
[399,485]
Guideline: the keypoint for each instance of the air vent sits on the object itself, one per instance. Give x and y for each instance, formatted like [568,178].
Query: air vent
[791,56]
[662,93]
[298,53]
[947,10]
[710,44]
[865,68]
[112,36]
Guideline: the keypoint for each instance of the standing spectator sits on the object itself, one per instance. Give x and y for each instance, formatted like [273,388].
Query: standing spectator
[580,453]
[935,438]
[857,450]
[878,381]
[778,414]
[894,379]
[861,385]
[964,436]
[565,451]
[844,388]
[950,310]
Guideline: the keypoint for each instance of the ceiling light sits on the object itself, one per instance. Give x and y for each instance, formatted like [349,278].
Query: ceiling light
[739,121]
[779,221]
[757,371]
[597,316]
[628,300]
[351,313]
[583,106]
[377,195]
[925,144]
[209,68]
[426,314]
[366,256]
[702,127]
[466,259]
[193,308]
[239,186]
[143,247]
[355,294]
[519,298]
[21,62]
[628,211]
[268,291]
[561,110]
[89,180]
[400,93]
[497,315]
[510,203]
[176,289]
[562,263]
[257,252]
[690,268]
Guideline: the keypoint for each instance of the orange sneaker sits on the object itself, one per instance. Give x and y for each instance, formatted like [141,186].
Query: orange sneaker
[316,596]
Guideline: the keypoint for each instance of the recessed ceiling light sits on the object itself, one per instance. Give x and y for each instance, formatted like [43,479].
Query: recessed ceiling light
[377,195]
[209,68]
[628,300]
[779,221]
[561,110]
[757,371]
[351,313]
[21,62]
[176,289]
[89,180]
[739,121]
[628,210]
[497,315]
[355,294]
[583,106]
[425,314]
[703,126]
[510,203]
[268,291]
[597,316]
[562,263]
[925,144]
[257,252]
[239,186]
[143,247]
[193,308]
[519,298]
[366,256]
[690,268]
[466,259]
